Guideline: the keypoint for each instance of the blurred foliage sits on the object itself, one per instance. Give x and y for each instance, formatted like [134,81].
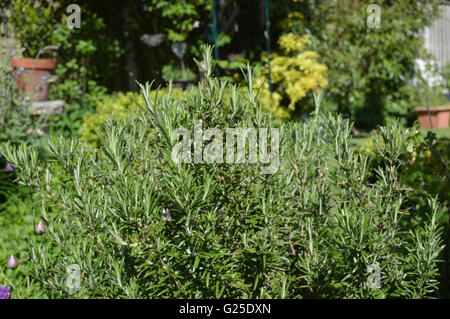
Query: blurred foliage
[70,122]
[115,107]
[178,16]
[427,171]
[295,71]
[368,67]
[172,72]
[33,23]
[79,51]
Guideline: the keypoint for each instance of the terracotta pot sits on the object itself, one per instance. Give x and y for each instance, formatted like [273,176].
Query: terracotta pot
[32,75]
[439,116]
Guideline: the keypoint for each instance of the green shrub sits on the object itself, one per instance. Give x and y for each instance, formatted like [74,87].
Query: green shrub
[87,57]
[33,23]
[113,107]
[426,171]
[367,67]
[139,225]
[423,168]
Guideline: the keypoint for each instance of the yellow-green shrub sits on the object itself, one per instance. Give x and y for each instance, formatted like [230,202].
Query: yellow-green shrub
[294,72]
[117,107]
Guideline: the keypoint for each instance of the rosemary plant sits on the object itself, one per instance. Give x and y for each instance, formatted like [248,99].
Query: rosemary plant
[134,223]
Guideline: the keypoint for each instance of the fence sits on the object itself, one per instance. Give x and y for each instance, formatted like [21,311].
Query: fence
[437,37]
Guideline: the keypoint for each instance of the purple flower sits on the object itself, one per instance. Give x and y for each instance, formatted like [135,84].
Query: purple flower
[9,168]
[5,292]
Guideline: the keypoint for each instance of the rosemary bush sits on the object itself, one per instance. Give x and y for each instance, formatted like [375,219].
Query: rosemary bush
[138,225]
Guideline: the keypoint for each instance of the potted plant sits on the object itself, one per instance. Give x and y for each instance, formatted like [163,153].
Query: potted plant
[181,78]
[434,111]
[431,95]
[32,24]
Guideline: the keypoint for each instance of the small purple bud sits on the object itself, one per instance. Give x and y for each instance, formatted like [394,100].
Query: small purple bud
[9,168]
[12,262]
[40,228]
[5,292]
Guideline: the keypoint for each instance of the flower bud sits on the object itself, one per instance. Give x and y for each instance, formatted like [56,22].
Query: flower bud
[40,228]
[9,168]
[5,292]
[166,215]
[12,262]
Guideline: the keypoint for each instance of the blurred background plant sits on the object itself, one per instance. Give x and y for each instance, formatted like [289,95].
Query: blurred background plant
[172,72]
[131,40]
[37,24]
[368,67]
[115,108]
[33,24]
[294,73]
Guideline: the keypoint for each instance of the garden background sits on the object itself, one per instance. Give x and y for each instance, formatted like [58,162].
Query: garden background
[94,184]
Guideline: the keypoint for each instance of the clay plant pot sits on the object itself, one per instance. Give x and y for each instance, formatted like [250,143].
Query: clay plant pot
[32,77]
[434,117]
